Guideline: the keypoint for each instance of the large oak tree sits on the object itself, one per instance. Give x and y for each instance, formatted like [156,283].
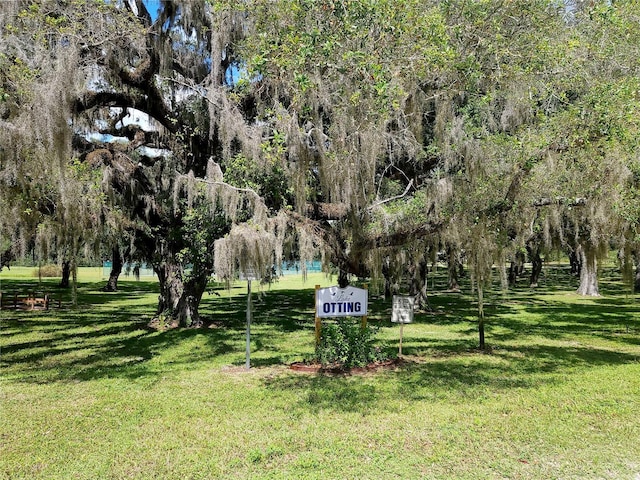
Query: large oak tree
[380,132]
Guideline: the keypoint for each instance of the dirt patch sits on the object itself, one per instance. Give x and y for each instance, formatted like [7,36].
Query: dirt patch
[161,324]
[318,368]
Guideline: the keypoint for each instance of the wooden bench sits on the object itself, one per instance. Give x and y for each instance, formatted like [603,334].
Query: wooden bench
[25,302]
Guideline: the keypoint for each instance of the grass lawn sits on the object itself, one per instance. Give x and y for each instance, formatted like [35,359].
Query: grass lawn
[90,393]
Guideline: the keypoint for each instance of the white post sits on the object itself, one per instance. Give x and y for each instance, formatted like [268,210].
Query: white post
[317,322]
[248,361]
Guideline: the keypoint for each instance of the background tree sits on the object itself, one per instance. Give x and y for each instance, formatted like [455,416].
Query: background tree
[162,182]
[594,124]
[49,197]
[345,84]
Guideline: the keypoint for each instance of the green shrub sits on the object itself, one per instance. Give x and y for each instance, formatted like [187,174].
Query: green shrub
[347,344]
[49,270]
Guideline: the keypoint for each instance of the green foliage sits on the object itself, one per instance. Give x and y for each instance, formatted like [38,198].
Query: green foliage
[201,225]
[354,45]
[270,181]
[478,108]
[347,343]
[16,82]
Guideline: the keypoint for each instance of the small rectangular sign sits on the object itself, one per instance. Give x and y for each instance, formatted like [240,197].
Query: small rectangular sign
[402,310]
[248,274]
[341,302]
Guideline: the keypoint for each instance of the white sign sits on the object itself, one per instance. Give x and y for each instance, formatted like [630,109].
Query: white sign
[341,302]
[248,274]
[402,310]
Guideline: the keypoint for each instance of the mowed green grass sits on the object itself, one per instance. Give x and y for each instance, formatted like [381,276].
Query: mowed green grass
[90,393]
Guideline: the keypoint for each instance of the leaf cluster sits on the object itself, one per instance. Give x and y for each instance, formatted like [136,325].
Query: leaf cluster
[347,344]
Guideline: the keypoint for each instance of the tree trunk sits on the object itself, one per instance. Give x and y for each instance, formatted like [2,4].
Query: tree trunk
[386,274]
[481,340]
[343,278]
[66,274]
[171,287]
[188,311]
[74,281]
[418,283]
[575,262]
[504,278]
[116,270]
[636,279]
[179,300]
[536,265]
[453,267]
[516,268]
[588,271]
[5,258]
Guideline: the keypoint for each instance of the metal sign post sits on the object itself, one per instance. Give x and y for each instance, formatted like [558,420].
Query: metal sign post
[248,360]
[318,322]
[248,275]
[363,319]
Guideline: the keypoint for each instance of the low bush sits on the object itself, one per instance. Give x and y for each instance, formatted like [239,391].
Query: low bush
[49,270]
[348,344]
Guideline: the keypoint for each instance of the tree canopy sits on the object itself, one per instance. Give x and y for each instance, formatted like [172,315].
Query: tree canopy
[230,134]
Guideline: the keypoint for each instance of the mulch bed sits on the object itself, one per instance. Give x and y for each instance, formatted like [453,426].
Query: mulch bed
[342,370]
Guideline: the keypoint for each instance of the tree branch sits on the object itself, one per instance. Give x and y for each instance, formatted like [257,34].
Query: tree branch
[326,211]
[144,103]
[569,202]
[391,199]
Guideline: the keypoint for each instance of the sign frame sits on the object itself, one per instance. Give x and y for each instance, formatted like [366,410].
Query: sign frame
[341,302]
[402,312]
[402,309]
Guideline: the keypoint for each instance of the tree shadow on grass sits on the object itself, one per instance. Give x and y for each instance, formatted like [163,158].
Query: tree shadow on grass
[465,377]
[611,318]
[88,293]
[286,310]
[553,311]
[323,392]
[452,369]
[474,377]
[107,336]
[120,351]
